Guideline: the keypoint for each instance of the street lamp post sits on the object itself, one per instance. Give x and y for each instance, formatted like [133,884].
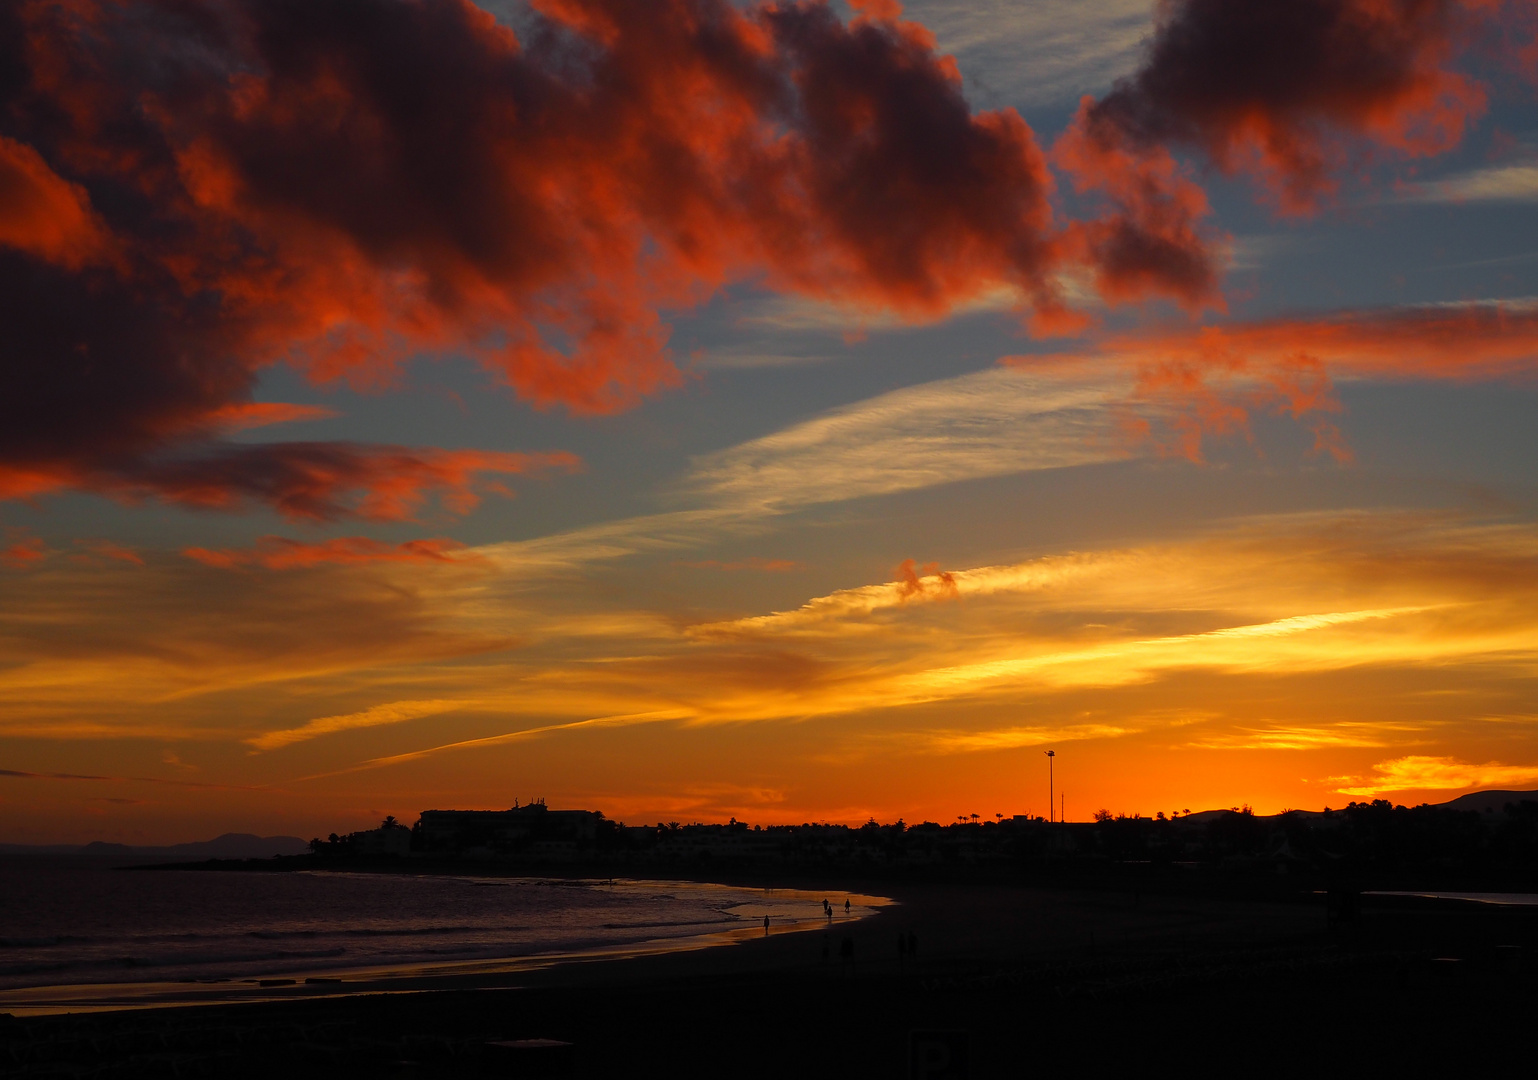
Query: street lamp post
[1051,756]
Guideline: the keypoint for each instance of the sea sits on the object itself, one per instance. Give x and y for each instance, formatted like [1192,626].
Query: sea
[81,937]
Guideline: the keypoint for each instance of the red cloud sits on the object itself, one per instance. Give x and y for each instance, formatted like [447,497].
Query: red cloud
[344,184]
[323,481]
[23,548]
[1290,91]
[193,189]
[239,416]
[1211,381]
[279,553]
[913,578]
[1498,339]
[42,214]
[1152,243]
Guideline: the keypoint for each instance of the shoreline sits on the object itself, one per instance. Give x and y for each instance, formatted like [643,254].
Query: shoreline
[308,983]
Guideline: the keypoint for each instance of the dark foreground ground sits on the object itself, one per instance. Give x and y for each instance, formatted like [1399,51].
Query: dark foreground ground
[1050,983]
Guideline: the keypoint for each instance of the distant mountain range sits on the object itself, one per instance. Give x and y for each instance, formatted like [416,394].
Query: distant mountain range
[1490,802]
[1483,802]
[228,846]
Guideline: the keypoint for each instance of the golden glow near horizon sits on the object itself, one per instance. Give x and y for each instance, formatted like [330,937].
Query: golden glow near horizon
[1306,658]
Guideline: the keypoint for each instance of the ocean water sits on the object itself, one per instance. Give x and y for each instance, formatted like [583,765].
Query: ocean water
[90,934]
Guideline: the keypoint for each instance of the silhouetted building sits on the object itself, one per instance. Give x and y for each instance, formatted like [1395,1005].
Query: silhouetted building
[521,828]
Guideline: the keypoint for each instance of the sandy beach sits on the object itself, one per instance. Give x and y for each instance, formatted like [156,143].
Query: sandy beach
[1030,978]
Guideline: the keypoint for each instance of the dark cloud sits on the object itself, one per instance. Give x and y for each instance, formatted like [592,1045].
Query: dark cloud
[1290,91]
[192,189]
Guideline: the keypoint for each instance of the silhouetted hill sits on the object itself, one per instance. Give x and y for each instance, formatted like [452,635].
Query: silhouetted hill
[228,846]
[1490,802]
[239,846]
[1484,802]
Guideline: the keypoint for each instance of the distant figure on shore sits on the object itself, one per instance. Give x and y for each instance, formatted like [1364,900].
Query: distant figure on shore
[827,909]
[766,926]
[846,906]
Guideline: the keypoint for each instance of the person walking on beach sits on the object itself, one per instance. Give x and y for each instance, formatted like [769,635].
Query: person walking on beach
[846,905]
[766,926]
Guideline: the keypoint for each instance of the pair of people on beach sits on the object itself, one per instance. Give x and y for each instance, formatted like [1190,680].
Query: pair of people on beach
[827,908]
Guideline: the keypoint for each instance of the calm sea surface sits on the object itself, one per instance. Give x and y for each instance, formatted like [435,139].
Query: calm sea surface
[64,926]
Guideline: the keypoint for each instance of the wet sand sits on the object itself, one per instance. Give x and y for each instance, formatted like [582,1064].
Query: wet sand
[1035,979]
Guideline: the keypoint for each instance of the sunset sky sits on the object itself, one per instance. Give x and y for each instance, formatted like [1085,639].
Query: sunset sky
[794,411]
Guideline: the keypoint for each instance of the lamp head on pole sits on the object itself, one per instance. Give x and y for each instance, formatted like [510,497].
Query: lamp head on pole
[1051,753]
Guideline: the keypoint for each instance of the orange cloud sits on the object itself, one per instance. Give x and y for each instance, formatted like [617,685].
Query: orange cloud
[1421,773]
[396,712]
[281,553]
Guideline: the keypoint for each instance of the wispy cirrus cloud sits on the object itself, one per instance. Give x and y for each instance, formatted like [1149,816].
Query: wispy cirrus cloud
[1012,738]
[282,553]
[19,774]
[1042,53]
[521,735]
[990,423]
[395,712]
[1297,737]
[995,422]
[1494,183]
